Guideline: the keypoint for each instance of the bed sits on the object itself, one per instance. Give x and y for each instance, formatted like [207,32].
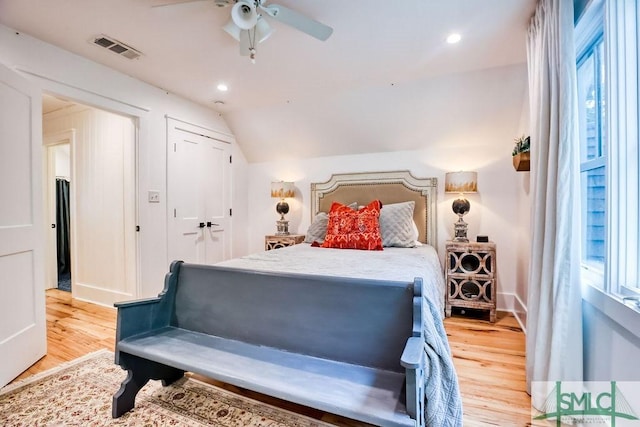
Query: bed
[443,405]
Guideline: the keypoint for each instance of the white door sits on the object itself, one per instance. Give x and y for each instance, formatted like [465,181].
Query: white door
[199,193]
[23,337]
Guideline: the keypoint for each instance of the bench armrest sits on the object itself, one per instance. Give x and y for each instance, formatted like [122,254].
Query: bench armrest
[131,303]
[413,354]
[146,314]
[413,359]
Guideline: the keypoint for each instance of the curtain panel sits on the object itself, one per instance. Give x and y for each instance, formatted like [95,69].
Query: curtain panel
[554,325]
[63,232]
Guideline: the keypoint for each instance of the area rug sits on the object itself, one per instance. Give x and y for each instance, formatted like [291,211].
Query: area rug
[79,394]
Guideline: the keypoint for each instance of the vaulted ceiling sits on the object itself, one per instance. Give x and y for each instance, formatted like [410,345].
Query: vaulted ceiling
[385,68]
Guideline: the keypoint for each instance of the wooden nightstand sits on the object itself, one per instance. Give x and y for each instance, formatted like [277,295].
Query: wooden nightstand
[470,276]
[275,242]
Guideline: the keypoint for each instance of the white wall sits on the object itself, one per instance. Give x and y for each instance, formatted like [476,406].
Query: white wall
[482,109]
[62,160]
[484,147]
[610,351]
[59,72]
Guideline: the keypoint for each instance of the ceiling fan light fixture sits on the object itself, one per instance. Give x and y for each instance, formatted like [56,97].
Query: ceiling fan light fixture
[232,29]
[263,30]
[244,15]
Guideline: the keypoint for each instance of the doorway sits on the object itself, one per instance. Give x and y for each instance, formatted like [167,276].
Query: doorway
[102,197]
[57,173]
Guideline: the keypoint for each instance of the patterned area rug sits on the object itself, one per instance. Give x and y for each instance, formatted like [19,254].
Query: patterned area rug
[79,394]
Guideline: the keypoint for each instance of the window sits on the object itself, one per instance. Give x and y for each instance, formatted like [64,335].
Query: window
[593,137]
[607,50]
[592,119]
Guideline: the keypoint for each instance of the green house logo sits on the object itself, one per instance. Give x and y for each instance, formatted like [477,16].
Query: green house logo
[590,407]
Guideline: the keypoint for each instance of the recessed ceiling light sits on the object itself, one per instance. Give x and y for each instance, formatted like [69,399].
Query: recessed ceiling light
[453,38]
[223,87]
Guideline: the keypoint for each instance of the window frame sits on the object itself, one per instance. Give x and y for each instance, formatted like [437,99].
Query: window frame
[622,71]
[589,32]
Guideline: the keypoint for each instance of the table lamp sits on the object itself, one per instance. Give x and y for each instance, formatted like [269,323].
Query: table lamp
[461,183]
[281,190]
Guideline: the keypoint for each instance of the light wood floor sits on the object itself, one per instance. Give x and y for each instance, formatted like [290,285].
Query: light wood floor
[489,359]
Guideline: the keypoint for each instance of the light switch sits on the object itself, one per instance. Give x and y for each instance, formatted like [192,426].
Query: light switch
[154,197]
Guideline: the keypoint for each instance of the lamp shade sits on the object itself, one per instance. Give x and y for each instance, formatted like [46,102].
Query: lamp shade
[282,189]
[461,182]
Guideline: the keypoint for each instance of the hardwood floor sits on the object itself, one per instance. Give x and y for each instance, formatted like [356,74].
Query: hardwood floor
[489,359]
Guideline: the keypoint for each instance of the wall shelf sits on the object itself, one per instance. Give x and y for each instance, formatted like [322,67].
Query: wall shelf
[521,161]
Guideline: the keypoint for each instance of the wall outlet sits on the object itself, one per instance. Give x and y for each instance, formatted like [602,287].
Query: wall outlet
[154,197]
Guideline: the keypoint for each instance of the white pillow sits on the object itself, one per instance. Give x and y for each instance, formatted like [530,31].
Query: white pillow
[397,226]
[318,228]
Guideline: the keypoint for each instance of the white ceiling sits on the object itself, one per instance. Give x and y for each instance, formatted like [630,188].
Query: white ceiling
[312,97]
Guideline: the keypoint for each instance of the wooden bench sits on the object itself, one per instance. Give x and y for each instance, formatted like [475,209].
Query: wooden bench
[351,347]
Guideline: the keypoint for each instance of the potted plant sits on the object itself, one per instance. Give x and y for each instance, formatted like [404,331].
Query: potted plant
[521,153]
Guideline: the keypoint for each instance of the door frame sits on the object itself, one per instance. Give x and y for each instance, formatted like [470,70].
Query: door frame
[135,114]
[50,142]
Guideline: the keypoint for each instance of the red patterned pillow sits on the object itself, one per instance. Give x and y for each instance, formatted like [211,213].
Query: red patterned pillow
[351,229]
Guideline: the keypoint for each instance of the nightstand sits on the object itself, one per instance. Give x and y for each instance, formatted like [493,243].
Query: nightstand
[274,242]
[470,276]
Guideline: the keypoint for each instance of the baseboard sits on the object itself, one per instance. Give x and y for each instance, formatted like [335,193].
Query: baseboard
[100,296]
[511,303]
[520,313]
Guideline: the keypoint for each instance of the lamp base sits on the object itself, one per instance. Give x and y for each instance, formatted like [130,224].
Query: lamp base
[282,227]
[460,230]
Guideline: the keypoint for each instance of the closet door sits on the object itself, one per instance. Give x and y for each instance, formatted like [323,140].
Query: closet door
[199,192]
[22,301]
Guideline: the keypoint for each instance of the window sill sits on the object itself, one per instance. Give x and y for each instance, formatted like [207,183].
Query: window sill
[613,307]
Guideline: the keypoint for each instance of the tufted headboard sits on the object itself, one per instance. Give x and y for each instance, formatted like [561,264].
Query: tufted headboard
[388,187]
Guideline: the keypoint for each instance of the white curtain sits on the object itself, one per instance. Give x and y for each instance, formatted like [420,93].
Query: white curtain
[554,305]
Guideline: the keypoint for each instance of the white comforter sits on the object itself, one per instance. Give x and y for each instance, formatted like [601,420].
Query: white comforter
[399,264]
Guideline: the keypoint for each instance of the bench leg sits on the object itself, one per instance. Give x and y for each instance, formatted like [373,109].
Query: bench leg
[415,395]
[125,398]
[140,371]
[172,378]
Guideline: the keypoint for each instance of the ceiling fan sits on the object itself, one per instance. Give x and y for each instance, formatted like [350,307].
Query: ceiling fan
[248,25]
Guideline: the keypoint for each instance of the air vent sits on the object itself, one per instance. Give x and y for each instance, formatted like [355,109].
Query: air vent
[116,46]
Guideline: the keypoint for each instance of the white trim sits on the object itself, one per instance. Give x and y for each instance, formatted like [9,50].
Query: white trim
[99,296]
[48,141]
[614,308]
[589,24]
[120,104]
[197,129]
[520,312]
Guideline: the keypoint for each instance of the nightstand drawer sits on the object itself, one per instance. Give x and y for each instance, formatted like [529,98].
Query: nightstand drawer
[275,241]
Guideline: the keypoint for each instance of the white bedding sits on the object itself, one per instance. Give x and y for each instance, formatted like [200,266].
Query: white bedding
[401,264]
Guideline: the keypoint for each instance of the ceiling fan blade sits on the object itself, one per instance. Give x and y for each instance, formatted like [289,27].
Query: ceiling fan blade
[298,21]
[164,3]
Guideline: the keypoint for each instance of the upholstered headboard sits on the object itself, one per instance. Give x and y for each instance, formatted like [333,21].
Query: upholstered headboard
[388,187]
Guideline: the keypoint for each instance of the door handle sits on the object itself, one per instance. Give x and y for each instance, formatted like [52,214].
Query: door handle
[201,225]
[53,226]
[211,224]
